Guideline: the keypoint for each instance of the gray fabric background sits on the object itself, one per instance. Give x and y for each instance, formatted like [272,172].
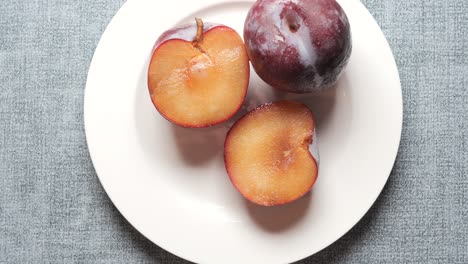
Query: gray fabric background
[54,210]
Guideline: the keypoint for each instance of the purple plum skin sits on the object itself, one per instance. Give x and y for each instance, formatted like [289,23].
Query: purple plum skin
[298,46]
[185,32]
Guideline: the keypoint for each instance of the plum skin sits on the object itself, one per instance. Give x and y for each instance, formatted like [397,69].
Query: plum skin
[298,46]
[184,32]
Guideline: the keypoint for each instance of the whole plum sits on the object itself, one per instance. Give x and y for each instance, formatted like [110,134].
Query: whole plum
[298,46]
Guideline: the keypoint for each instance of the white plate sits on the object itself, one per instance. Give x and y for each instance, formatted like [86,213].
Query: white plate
[170,182]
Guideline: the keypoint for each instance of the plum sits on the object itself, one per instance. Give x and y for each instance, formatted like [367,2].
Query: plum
[198,74]
[268,156]
[298,46]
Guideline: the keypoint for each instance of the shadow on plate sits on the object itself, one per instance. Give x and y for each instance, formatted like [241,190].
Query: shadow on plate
[199,145]
[277,219]
[321,103]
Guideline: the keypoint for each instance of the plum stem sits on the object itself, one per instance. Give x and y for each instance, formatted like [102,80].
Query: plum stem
[199,36]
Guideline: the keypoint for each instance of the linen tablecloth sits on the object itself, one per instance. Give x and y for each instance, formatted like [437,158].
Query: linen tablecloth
[54,210]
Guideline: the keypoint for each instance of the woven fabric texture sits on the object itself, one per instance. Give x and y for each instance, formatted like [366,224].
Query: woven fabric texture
[54,210]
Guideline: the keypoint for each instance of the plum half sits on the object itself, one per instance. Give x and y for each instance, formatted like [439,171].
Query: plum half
[267,154]
[198,74]
[299,46]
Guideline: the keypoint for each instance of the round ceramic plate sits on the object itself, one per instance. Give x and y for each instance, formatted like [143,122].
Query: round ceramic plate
[170,183]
